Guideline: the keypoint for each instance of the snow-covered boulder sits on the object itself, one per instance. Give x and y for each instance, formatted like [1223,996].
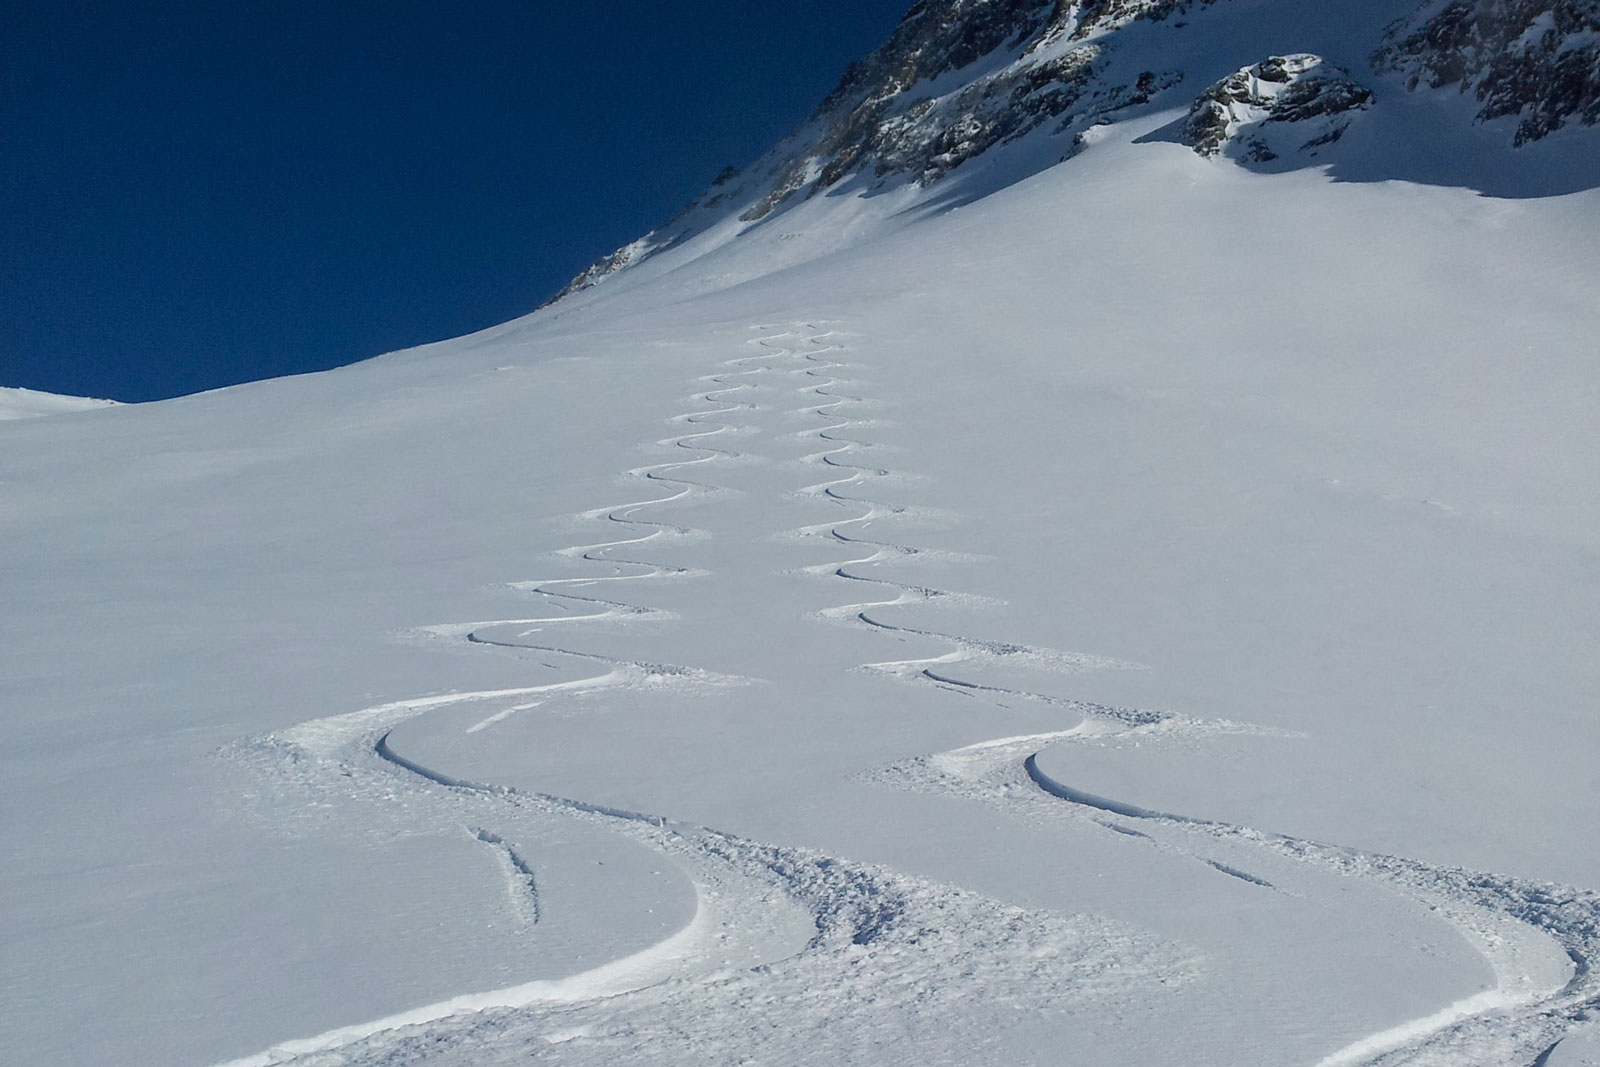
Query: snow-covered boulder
[1281,106]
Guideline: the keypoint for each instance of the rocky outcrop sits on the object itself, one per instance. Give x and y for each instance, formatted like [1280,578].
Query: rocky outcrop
[1282,105]
[626,256]
[1535,59]
[932,135]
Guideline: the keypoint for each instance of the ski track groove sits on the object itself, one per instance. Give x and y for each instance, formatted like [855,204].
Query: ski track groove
[521,884]
[852,908]
[861,922]
[1515,1022]
[836,436]
[1510,1022]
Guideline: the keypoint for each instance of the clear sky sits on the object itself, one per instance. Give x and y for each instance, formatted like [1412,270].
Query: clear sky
[199,193]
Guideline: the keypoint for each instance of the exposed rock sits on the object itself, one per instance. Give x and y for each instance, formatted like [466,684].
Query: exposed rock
[878,119]
[607,265]
[896,113]
[1537,59]
[1259,113]
[960,78]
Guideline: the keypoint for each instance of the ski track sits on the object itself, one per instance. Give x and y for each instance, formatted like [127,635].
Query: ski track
[1510,921]
[838,444]
[766,916]
[521,885]
[810,925]
[1518,1021]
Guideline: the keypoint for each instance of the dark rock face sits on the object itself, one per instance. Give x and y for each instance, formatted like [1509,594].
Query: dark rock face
[1538,59]
[1260,111]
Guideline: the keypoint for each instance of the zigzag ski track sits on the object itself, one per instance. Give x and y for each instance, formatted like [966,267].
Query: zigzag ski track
[771,923]
[1516,1022]
[838,952]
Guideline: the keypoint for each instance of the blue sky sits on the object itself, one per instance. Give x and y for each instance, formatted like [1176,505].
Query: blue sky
[195,194]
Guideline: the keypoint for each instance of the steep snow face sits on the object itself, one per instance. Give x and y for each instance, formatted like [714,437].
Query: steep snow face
[993,90]
[956,79]
[1536,60]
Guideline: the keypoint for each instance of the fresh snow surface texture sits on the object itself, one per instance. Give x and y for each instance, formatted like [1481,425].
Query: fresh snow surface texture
[31,403]
[1146,615]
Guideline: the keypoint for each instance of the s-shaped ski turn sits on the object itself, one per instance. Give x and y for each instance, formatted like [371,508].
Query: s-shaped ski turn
[769,921]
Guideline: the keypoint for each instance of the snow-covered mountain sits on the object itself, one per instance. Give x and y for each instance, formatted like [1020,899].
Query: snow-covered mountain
[1098,566]
[961,82]
[1534,61]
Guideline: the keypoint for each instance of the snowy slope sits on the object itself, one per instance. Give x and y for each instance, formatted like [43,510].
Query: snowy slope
[1136,611]
[31,403]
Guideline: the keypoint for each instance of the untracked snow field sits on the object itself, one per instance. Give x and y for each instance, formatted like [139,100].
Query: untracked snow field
[1146,615]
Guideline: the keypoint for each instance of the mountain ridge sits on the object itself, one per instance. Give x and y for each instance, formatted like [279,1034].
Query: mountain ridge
[963,79]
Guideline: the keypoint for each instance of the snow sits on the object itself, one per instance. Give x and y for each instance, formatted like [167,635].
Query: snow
[1140,614]
[31,403]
